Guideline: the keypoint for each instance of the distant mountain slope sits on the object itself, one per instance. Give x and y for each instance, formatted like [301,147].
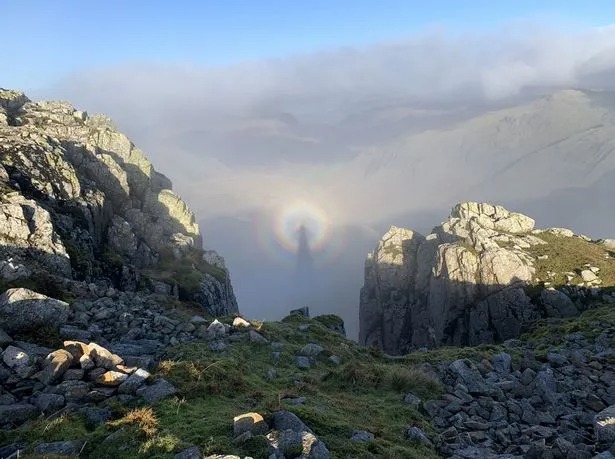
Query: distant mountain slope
[530,150]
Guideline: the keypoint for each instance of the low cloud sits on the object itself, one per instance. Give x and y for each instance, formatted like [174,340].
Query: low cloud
[361,132]
[430,67]
[267,126]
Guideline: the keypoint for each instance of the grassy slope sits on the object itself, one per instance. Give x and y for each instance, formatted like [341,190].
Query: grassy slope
[187,272]
[570,254]
[364,392]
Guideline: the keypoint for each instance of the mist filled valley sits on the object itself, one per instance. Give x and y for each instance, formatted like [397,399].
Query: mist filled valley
[351,171]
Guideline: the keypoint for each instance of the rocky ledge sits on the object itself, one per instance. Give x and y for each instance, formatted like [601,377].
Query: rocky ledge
[483,276]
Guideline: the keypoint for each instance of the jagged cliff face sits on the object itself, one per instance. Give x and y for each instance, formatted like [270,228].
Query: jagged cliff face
[78,200]
[472,280]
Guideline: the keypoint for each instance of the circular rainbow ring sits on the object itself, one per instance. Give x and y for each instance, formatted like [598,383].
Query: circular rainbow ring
[299,213]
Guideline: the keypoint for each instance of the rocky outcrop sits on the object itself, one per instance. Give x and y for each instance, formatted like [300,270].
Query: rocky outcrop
[466,283]
[80,201]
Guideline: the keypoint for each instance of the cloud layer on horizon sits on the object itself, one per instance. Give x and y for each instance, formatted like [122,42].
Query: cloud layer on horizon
[429,67]
[189,118]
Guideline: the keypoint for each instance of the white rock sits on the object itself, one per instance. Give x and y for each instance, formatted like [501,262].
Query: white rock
[240,322]
[588,275]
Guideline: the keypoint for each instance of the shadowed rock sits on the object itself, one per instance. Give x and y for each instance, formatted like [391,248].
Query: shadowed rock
[22,310]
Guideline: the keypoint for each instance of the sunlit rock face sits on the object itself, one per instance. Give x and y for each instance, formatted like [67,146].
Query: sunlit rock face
[463,284]
[79,200]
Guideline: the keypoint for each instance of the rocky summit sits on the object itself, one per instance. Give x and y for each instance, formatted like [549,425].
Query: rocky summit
[483,276]
[83,208]
[120,335]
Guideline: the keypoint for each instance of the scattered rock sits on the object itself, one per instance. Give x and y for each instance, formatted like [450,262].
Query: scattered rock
[417,435]
[56,365]
[239,322]
[557,303]
[311,350]
[4,338]
[103,357]
[249,422]
[15,357]
[469,376]
[215,330]
[59,448]
[111,378]
[157,391]
[12,451]
[588,275]
[289,442]
[256,337]
[74,374]
[73,391]
[412,400]
[361,436]
[604,426]
[303,362]
[189,453]
[285,420]
[49,403]
[502,362]
[96,416]
[134,382]
[17,413]
[295,400]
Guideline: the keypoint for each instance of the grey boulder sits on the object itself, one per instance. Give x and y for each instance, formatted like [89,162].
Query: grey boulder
[24,310]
